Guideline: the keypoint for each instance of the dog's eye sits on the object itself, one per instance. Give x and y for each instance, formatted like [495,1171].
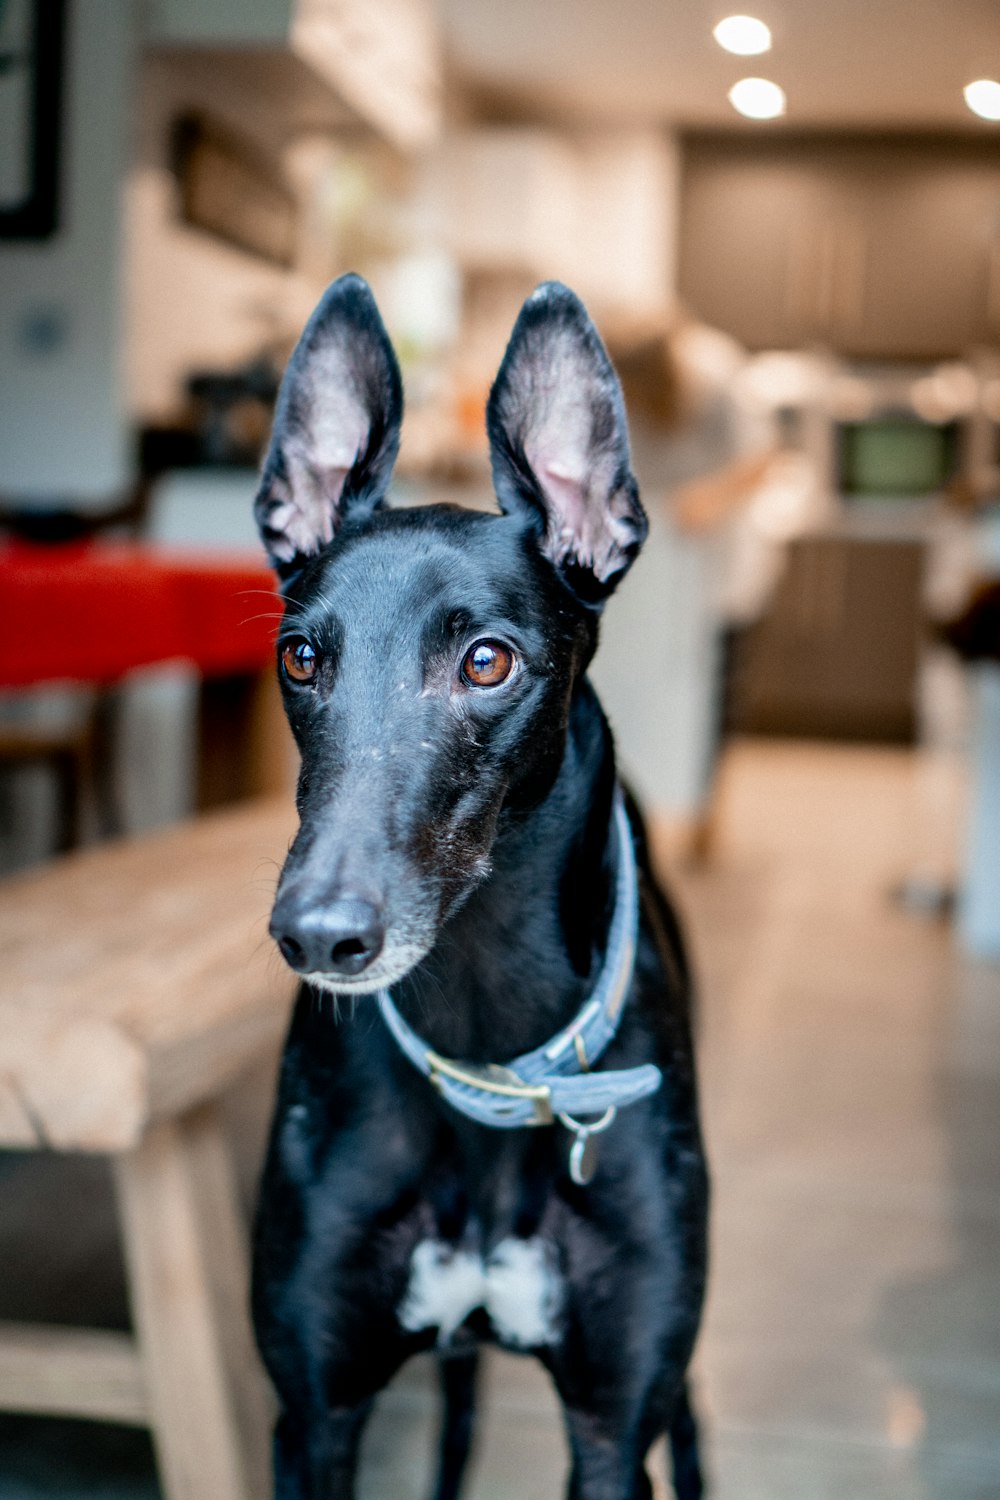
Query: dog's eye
[487,664]
[299,661]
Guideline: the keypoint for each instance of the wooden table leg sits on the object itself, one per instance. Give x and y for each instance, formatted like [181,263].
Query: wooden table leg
[187,1263]
[107,717]
[244,743]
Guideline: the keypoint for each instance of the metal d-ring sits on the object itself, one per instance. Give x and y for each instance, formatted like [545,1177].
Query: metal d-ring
[583,1155]
[580,1127]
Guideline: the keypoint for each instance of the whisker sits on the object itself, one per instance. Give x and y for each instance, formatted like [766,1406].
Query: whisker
[267,615]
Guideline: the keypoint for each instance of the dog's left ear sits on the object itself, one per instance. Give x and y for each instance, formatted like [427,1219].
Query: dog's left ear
[336,428]
[559,444]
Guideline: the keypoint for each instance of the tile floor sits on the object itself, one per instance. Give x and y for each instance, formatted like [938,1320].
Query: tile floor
[851,1072]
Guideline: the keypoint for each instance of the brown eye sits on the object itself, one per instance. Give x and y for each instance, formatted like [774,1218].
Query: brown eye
[488,664]
[299,661]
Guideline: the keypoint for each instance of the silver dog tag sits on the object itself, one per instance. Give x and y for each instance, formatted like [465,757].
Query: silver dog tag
[583,1158]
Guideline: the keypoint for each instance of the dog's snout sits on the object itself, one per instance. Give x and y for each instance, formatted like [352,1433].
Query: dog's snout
[336,937]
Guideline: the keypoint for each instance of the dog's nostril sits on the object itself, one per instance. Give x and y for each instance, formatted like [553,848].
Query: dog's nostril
[359,939]
[348,949]
[292,952]
[355,934]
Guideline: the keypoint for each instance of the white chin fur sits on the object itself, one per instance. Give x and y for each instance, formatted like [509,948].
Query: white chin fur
[386,971]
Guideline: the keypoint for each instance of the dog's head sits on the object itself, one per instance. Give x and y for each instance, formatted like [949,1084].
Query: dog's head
[428,656]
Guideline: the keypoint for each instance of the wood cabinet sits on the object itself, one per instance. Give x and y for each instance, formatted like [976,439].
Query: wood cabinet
[836,655]
[877,249]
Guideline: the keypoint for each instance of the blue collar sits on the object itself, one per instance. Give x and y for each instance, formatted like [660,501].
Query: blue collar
[555,1079]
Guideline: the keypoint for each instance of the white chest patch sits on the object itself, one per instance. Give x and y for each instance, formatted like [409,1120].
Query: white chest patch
[517,1286]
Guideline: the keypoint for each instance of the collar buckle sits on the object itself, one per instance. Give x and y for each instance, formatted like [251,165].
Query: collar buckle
[491,1078]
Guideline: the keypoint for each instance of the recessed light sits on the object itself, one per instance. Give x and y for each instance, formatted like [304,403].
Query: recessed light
[983,98]
[757,98]
[744,35]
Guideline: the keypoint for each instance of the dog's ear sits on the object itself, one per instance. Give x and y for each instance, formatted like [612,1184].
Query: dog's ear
[336,428]
[559,444]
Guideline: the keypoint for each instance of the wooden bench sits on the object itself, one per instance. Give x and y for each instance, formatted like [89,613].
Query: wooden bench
[137,981]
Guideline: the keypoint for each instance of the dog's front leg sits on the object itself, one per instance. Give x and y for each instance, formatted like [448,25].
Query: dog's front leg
[618,1369]
[319,1460]
[605,1462]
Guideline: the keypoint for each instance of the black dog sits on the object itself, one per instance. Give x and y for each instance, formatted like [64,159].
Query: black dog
[463,841]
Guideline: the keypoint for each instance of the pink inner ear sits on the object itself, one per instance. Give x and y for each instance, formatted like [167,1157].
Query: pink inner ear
[565,489]
[573,459]
[319,457]
[331,479]
[578,527]
[309,518]
[564,483]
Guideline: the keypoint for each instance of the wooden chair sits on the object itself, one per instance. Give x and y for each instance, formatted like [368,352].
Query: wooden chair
[67,755]
[77,755]
[136,981]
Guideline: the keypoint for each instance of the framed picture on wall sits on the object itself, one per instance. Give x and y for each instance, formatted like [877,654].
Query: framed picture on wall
[32,34]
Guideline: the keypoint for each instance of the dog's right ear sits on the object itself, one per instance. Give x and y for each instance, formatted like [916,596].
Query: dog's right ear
[336,428]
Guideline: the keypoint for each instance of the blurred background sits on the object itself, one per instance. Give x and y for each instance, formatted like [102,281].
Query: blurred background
[787,228]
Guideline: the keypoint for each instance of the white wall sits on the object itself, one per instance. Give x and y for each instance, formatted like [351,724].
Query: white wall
[191,300]
[598,209]
[629,204]
[62,422]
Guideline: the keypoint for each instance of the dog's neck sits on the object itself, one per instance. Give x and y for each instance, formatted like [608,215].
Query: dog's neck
[520,957]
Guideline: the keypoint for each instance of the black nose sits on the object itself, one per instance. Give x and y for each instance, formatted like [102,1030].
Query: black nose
[337,937]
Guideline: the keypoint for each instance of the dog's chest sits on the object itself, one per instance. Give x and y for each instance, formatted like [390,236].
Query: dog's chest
[517,1285]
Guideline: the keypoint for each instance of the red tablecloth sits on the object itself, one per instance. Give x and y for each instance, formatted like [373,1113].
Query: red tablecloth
[92,612]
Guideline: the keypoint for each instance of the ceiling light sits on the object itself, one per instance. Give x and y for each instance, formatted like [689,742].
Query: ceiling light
[744,35]
[983,98]
[757,98]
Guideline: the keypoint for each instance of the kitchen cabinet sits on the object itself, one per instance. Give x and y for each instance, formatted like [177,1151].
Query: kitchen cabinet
[876,249]
[317,63]
[836,655]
